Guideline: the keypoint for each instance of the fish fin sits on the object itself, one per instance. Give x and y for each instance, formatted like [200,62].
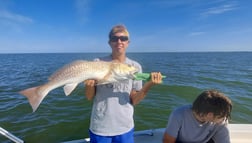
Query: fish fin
[34,97]
[68,88]
[106,79]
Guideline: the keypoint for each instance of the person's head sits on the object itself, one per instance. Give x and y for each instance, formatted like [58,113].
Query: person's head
[212,106]
[118,39]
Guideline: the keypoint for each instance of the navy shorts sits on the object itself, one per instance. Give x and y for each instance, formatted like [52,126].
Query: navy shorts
[123,138]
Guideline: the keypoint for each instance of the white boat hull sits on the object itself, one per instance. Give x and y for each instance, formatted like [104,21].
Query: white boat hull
[239,133]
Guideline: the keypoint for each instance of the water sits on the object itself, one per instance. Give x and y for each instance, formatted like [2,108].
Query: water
[60,118]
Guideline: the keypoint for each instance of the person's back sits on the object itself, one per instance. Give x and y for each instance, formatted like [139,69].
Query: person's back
[206,120]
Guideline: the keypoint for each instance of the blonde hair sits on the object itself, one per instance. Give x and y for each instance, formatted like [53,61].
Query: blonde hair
[118,28]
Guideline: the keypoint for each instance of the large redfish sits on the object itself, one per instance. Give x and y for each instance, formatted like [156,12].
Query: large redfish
[76,72]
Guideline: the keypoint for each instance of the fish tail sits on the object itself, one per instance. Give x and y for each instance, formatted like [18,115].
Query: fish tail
[34,96]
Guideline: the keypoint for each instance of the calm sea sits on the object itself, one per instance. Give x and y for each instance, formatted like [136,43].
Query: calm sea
[60,118]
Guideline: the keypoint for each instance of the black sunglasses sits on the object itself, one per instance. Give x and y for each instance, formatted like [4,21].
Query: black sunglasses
[116,38]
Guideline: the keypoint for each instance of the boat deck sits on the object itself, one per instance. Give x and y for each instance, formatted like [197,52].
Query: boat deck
[239,133]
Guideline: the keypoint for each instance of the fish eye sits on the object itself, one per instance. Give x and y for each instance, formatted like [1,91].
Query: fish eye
[129,66]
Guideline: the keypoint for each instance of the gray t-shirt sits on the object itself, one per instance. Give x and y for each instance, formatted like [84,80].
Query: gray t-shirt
[183,126]
[112,112]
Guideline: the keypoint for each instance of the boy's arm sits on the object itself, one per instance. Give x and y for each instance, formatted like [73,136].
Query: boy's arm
[137,96]
[168,139]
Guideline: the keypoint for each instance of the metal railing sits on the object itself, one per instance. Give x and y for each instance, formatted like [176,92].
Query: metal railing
[10,136]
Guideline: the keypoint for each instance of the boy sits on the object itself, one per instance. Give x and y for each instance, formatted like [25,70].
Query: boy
[203,122]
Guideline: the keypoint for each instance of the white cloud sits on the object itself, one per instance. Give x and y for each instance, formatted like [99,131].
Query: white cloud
[219,9]
[82,8]
[196,33]
[13,22]
[13,17]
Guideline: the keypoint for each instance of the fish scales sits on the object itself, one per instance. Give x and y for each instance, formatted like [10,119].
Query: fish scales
[72,74]
[81,69]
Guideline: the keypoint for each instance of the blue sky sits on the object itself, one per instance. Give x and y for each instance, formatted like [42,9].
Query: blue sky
[49,26]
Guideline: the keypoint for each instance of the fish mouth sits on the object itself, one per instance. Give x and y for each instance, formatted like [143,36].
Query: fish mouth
[135,71]
[133,74]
